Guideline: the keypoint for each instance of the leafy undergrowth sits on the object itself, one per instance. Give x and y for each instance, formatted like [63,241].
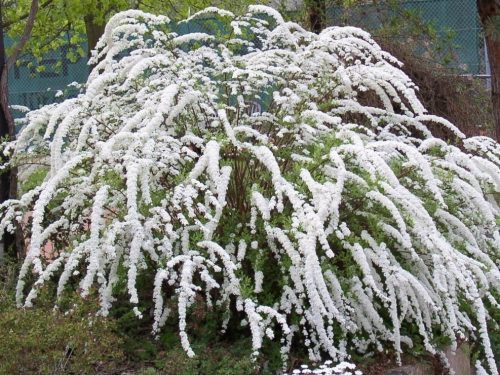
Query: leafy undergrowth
[42,340]
[46,341]
[73,340]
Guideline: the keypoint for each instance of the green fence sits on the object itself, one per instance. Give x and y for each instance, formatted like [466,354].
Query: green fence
[32,88]
[35,83]
[455,21]
[461,18]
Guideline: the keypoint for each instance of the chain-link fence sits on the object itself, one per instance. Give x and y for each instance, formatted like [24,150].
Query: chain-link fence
[454,22]
[452,27]
[35,83]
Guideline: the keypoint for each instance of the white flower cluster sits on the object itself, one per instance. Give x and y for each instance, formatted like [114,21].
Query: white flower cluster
[334,201]
[343,368]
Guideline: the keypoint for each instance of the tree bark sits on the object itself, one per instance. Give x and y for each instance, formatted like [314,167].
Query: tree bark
[5,175]
[8,180]
[9,62]
[489,11]
[94,31]
[316,14]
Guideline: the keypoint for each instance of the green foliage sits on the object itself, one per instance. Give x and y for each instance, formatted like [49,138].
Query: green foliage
[221,359]
[492,28]
[66,24]
[411,27]
[392,21]
[44,341]
[494,328]
[34,179]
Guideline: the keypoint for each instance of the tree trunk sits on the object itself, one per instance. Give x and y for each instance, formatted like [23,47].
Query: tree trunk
[489,11]
[94,31]
[13,244]
[5,175]
[316,14]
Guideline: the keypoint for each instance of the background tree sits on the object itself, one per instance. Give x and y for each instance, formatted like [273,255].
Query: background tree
[72,24]
[4,177]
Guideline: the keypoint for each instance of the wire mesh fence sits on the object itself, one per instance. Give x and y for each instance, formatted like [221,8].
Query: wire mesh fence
[35,83]
[454,22]
[452,26]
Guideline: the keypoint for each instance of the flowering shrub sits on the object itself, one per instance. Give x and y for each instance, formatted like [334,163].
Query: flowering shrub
[286,179]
